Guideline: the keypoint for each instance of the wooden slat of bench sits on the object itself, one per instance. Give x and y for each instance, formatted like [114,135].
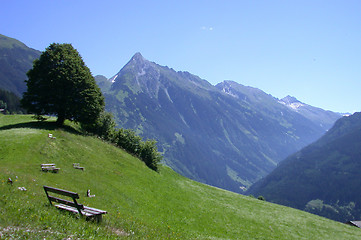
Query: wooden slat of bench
[97,211]
[93,211]
[66,202]
[47,168]
[72,209]
[90,212]
[51,169]
[66,207]
[61,192]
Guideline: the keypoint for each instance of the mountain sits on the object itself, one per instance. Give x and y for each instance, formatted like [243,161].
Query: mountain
[325,118]
[103,82]
[227,135]
[9,103]
[15,60]
[141,203]
[323,178]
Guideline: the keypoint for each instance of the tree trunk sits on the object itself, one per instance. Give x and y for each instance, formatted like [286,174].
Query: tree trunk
[60,120]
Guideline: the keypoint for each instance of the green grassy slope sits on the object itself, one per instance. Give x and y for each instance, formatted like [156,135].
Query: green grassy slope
[141,203]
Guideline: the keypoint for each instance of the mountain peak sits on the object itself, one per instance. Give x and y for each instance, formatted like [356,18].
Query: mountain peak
[289,100]
[138,58]
[292,102]
[138,63]
[10,43]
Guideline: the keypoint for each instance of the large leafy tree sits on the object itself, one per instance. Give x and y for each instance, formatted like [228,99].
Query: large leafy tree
[61,84]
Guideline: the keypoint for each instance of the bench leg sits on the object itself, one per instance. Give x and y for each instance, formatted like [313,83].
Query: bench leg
[97,218]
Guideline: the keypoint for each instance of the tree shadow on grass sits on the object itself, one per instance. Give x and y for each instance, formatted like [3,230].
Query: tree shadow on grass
[51,126]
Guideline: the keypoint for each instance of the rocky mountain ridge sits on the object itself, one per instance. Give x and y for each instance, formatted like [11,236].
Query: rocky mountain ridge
[324,117]
[226,135]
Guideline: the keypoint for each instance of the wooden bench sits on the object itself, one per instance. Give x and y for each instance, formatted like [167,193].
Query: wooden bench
[49,167]
[77,166]
[73,206]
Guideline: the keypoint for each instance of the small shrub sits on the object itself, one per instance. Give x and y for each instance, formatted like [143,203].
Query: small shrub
[103,127]
[128,140]
[261,198]
[146,151]
[150,155]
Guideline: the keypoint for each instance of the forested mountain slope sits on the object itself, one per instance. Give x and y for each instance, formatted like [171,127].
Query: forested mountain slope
[324,177]
[15,60]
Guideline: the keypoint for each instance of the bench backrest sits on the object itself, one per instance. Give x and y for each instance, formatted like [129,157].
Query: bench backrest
[48,165]
[59,191]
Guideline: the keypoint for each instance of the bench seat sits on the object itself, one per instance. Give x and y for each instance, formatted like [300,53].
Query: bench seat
[77,166]
[49,167]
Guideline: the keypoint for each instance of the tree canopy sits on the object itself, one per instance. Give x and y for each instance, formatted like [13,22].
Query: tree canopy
[61,84]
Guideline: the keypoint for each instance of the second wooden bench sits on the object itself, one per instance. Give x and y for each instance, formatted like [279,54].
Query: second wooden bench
[49,167]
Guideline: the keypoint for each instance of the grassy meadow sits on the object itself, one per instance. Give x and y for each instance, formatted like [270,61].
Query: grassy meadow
[141,203]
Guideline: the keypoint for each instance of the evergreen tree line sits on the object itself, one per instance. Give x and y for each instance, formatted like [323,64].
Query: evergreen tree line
[9,103]
[127,139]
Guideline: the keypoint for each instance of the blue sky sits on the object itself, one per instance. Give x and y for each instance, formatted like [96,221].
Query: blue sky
[307,49]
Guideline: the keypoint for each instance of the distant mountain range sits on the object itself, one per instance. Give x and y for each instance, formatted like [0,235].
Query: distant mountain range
[15,60]
[325,118]
[227,135]
[323,178]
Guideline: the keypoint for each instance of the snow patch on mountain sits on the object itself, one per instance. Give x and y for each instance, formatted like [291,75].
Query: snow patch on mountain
[113,78]
[296,106]
[227,90]
[167,94]
[292,103]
